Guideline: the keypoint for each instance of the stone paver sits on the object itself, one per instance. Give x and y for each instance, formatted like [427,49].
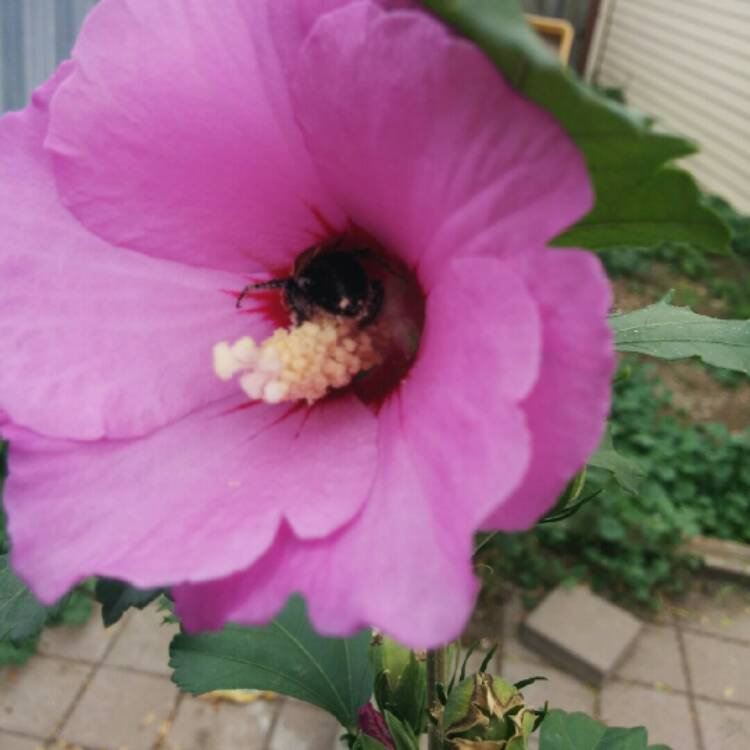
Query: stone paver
[14,742]
[514,613]
[722,559]
[205,725]
[35,698]
[512,648]
[655,659]
[719,669]
[666,715]
[724,727]
[303,727]
[129,703]
[722,611]
[121,709]
[561,690]
[144,643]
[580,632]
[84,643]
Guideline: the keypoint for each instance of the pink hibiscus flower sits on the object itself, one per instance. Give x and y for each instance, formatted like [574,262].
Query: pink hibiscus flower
[191,148]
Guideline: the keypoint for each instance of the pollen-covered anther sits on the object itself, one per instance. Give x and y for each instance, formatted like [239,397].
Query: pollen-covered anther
[303,362]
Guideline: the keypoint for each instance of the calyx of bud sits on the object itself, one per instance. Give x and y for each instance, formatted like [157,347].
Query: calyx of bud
[487,713]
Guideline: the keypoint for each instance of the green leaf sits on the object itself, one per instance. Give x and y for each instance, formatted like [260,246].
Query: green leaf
[521,684]
[403,735]
[73,609]
[410,694]
[363,742]
[564,731]
[16,654]
[4,543]
[639,201]
[286,656]
[669,332]
[626,471]
[666,206]
[400,683]
[21,615]
[116,597]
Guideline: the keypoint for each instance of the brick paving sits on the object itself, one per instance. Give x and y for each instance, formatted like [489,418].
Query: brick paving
[582,634]
[687,678]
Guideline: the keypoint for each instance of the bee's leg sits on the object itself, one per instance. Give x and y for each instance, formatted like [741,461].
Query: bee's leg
[374,303]
[272,284]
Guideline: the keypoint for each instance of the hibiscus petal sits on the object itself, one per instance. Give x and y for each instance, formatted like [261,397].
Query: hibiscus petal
[432,140]
[567,409]
[452,444]
[479,357]
[398,566]
[199,499]
[174,135]
[96,340]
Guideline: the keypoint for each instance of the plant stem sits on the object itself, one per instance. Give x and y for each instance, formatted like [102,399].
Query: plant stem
[435,675]
[484,543]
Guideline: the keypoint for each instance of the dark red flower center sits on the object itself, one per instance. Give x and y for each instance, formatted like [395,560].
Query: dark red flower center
[349,316]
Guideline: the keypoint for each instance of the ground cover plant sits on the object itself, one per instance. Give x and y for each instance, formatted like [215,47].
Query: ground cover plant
[22,618]
[695,470]
[694,479]
[712,284]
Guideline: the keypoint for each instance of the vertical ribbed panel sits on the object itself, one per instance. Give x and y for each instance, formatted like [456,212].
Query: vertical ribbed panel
[34,36]
[12,58]
[687,62]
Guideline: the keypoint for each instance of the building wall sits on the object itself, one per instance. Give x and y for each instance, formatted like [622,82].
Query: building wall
[34,36]
[687,62]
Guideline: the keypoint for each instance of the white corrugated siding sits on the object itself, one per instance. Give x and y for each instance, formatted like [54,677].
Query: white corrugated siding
[687,62]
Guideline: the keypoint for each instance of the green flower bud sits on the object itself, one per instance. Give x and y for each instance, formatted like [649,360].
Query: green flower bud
[487,713]
[400,681]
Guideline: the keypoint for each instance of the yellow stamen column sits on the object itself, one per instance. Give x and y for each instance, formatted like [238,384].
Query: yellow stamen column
[300,363]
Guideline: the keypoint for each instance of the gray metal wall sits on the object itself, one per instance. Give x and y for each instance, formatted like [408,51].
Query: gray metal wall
[34,36]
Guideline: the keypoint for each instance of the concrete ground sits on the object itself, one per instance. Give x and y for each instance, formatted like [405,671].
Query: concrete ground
[687,679]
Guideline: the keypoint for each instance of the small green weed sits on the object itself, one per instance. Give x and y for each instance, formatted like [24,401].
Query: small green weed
[722,283]
[697,480]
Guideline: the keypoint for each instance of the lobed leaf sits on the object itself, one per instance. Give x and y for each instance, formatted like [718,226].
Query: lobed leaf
[17,654]
[4,543]
[116,597]
[286,656]
[626,471]
[669,332]
[576,731]
[21,615]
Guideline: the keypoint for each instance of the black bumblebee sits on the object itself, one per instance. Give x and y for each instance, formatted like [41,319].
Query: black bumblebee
[330,280]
